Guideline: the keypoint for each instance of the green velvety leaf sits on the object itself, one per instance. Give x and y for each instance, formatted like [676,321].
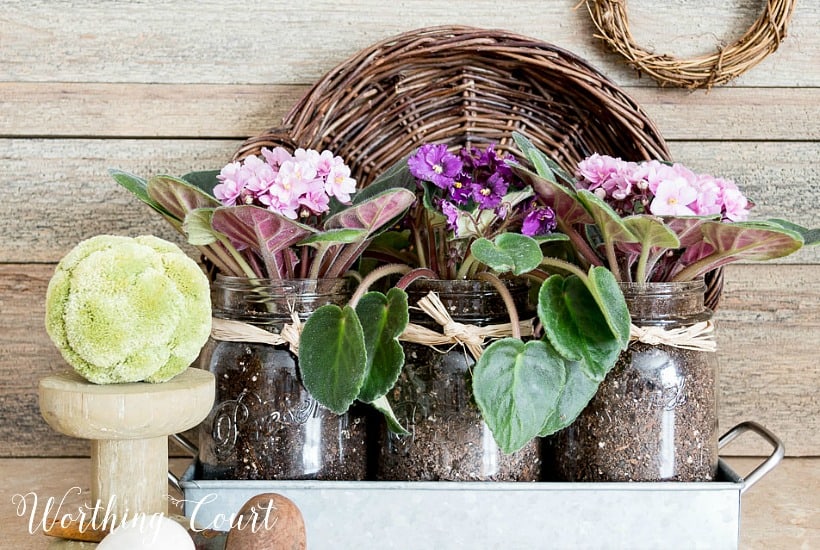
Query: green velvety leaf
[398,176]
[575,325]
[510,252]
[516,386]
[197,226]
[610,299]
[139,187]
[204,180]
[178,197]
[383,319]
[810,236]
[332,356]
[383,406]
[333,236]
[651,231]
[756,241]
[608,222]
[578,390]
[544,166]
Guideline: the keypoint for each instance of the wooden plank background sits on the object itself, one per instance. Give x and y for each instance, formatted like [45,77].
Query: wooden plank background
[173,86]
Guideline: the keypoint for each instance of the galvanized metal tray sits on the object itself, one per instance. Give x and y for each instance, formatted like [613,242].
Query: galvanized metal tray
[503,515]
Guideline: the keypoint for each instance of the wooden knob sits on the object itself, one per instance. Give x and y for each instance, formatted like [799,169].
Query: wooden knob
[128,425]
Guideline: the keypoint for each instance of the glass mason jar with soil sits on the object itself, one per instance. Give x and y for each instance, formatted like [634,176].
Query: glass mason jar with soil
[433,398]
[264,423]
[654,417]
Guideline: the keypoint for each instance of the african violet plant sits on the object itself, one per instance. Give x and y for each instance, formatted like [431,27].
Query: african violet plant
[284,216]
[622,222]
[461,197]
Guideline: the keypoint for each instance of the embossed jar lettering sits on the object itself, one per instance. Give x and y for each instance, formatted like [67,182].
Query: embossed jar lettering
[265,424]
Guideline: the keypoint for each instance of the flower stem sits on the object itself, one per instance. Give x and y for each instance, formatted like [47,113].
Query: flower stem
[374,276]
[640,272]
[508,301]
[612,260]
[239,259]
[565,266]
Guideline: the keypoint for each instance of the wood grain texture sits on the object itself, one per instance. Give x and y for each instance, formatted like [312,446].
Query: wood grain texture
[70,196]
[212,41]
[779,513]
[114,110]
[768,323]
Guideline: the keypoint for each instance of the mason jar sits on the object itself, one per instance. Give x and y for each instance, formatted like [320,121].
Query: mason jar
[433,398]
[264,423]
[654,417]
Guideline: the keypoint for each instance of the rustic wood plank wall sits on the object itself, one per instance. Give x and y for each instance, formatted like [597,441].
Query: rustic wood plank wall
[174,86]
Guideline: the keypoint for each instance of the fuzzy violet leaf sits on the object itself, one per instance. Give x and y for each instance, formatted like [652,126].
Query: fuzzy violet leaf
[178,197]
[577,327]
[508,252]
[373,214]
[383,406]
[577,392]
[332,356]
[516,386]
[383,319]
[262,230]
[758,241]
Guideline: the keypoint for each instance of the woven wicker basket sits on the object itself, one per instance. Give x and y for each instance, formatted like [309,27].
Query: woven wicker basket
[465,86]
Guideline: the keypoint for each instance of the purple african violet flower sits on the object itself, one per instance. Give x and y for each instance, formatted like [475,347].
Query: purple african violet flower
[488,194]
[452,213]
[434,163]
[461,190]
[540,220]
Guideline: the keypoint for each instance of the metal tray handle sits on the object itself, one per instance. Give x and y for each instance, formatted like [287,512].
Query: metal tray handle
[778,452]
[173,480]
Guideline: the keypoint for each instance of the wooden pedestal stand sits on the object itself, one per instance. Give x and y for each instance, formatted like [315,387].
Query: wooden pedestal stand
[128,425]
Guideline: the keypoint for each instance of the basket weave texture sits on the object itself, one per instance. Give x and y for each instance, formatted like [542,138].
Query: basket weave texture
[463,86]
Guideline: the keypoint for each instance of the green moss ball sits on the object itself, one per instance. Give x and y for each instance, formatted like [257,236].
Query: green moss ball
[124,309]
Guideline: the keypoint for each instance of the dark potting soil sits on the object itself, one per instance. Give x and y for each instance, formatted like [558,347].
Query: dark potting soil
[653,419]
[449,440]
[267,426]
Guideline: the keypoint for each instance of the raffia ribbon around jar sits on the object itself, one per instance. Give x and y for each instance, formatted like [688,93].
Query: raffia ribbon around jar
[236,331]
[697,337]
[471,337]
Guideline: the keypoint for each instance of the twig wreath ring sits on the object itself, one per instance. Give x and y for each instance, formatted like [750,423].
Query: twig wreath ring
[705,71]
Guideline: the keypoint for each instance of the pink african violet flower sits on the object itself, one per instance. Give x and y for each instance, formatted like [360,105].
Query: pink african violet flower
[258,175]
[735,205]
[325,163]
[339,184]
[297,185]
[231,185]
[596,170]
[708,202]
[315,200]
[276,156]
[673,198]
